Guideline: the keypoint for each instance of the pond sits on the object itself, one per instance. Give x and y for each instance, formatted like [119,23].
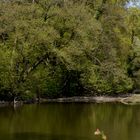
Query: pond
[70,121]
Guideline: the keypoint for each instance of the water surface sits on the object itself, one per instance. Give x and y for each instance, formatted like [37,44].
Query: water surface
[70,121]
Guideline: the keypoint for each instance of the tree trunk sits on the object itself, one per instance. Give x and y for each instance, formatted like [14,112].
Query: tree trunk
[38,95]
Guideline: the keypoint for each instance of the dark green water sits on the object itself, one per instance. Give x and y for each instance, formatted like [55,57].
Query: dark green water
[71,121]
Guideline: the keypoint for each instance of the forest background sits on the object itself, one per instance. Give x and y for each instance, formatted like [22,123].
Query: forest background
[61,48]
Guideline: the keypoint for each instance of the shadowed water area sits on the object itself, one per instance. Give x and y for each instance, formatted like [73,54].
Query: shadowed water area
[70,121]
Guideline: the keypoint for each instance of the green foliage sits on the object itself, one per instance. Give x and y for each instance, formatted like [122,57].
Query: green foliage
[65,48]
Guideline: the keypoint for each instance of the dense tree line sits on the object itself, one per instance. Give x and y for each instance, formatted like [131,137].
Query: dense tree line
[68,47]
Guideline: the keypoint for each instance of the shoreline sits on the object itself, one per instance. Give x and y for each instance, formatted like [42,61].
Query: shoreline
[127,99]
[92,99]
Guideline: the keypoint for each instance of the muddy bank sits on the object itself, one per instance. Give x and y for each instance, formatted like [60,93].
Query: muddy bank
[131,99]
[4,103]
